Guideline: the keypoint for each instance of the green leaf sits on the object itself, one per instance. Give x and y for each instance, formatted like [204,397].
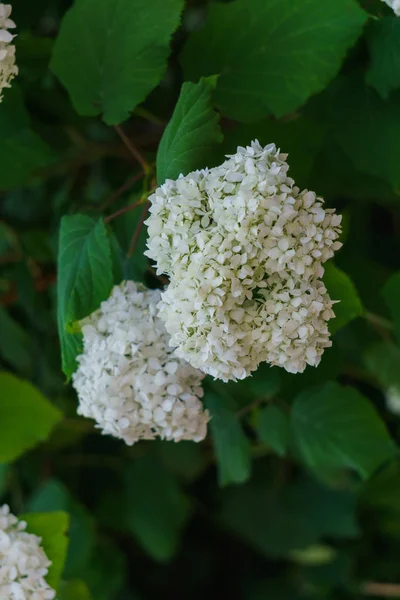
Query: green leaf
[157,510]
[52,528]
[272,54]
[273,429]
[380,498]
[73,590]
[21,406]
[4,477]
[383,37]
[337,427]
[85,278]
[54,496]
[367,128]
[340,287]
[192,132]
[277,521]
[14,344]
[22,151]
[391,294]
[383,360]
[105,574]
[232,448]
[335,176]
[332,512]
[111,66]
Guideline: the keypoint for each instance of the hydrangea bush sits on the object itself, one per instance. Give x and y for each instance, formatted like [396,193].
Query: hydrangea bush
[200,299]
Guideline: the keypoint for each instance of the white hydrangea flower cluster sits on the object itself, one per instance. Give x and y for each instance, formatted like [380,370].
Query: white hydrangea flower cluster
[129,379]
[23,563]
[244,249]
[8,68]
[395,5]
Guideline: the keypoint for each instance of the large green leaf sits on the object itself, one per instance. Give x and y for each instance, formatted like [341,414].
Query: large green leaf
[273,428]
[335,176]
[367,128]
[105,573]
[22,151]
[277,521]
[272,54]
[111,54]
[383,36]
[232,448]
[340,287]
[380,497]
[391,294]
[54,496]
[73,590]
[85,278]
[52,528]
[157,509]
[191,133]
[26,417]
[337,427]
[4,479]
[14,344]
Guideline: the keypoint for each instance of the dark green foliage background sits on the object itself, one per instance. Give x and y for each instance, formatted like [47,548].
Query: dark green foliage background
[295,494]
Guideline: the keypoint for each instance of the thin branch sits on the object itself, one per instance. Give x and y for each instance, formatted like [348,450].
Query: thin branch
[132,149]
[161,278]
[138,229]
[41,285]
[378,320]
[387,590]
[122,211]
[121,190]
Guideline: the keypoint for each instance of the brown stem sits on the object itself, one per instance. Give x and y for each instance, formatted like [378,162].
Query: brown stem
[378,321]
[388,590]
[138,229]
[122,211]
[11,257]
[164,280]
[121,190]
[132,149]
[382,326]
